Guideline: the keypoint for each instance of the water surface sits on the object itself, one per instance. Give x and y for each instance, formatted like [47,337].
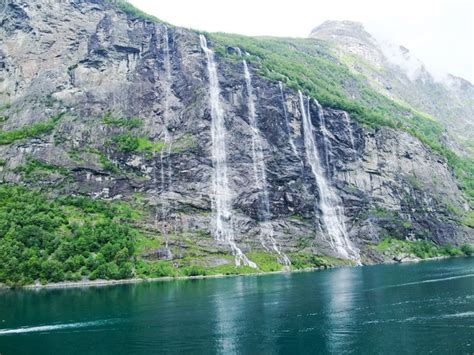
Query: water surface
[414,308]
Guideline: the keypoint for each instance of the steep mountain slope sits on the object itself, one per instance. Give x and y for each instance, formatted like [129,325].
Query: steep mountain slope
[392,71]
[199,152]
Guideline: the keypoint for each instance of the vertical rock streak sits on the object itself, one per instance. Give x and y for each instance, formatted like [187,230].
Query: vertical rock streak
[221,198]
[329,203]
[259,169]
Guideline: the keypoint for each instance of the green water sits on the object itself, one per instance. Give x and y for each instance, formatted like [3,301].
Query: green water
[387,309]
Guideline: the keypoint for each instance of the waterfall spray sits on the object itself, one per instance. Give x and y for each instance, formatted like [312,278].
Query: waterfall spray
[221,198]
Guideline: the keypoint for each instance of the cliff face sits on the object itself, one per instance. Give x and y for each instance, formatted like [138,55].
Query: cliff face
[135,123]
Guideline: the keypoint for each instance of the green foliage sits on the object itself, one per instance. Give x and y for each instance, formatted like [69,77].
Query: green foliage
[155,269]
[35,169]
[232,269]
[194,270]
[132,11]
[306,261]
[62,239]
[109,120]
[265,262]
[467,249]
[422,249]
[107,165]
[127,143]
[33,131]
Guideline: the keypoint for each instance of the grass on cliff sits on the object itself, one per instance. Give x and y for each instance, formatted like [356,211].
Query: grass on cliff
[132,11]
[128,143]
[33,131]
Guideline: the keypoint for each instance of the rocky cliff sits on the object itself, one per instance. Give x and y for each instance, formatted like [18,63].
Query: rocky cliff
[102,103]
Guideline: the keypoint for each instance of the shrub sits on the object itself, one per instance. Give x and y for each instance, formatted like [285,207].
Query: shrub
[36,130]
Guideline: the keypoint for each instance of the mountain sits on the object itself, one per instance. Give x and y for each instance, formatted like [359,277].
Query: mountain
[394,72]
[133,148]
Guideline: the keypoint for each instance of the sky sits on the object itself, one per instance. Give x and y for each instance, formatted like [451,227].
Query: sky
[439,32]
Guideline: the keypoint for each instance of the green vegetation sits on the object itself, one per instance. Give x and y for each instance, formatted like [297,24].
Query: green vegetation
[34,167]
[309,66]
[422,249]
[468,219]
[132,11]
[127,143]
[62,239]
[36,130]
[306,261]
[265,262]
[109,120]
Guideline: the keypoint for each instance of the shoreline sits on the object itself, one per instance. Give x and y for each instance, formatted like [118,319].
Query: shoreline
[105,283]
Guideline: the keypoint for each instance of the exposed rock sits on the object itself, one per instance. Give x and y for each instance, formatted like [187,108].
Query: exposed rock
[87,59]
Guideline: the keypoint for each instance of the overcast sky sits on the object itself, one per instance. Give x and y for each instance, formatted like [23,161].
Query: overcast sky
[439,32]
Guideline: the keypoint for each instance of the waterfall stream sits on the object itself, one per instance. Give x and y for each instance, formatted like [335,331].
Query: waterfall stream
[326,143]
[349,128]
[260,174]
[166,150]
[287,122]
[221,198]
[329,203]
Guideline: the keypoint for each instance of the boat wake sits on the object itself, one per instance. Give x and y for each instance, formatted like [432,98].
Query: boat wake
[55,327]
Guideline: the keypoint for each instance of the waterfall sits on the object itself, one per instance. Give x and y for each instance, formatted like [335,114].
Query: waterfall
[287,122]
[259,169]
[166,137]
[349,128]
[329,203]
[221,199]
[324,132]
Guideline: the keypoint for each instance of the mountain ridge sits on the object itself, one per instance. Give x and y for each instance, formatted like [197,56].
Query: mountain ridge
[395,73]
[107,117]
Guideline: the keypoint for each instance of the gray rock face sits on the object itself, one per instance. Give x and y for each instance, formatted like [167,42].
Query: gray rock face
[87,59]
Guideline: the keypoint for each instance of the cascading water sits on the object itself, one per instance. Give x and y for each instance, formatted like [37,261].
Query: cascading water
[329,202]
[166,137]
[349,128]
[324,132]
[221,199]
[260,171]
[287,122]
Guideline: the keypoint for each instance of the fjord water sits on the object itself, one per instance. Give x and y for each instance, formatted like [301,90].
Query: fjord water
[412,308]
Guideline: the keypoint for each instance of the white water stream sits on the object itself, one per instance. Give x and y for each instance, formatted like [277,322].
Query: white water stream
[221,199]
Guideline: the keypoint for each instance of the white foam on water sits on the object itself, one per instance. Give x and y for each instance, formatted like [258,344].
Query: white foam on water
[54,327]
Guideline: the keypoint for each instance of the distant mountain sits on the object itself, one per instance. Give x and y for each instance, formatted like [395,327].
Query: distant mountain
[394,72]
